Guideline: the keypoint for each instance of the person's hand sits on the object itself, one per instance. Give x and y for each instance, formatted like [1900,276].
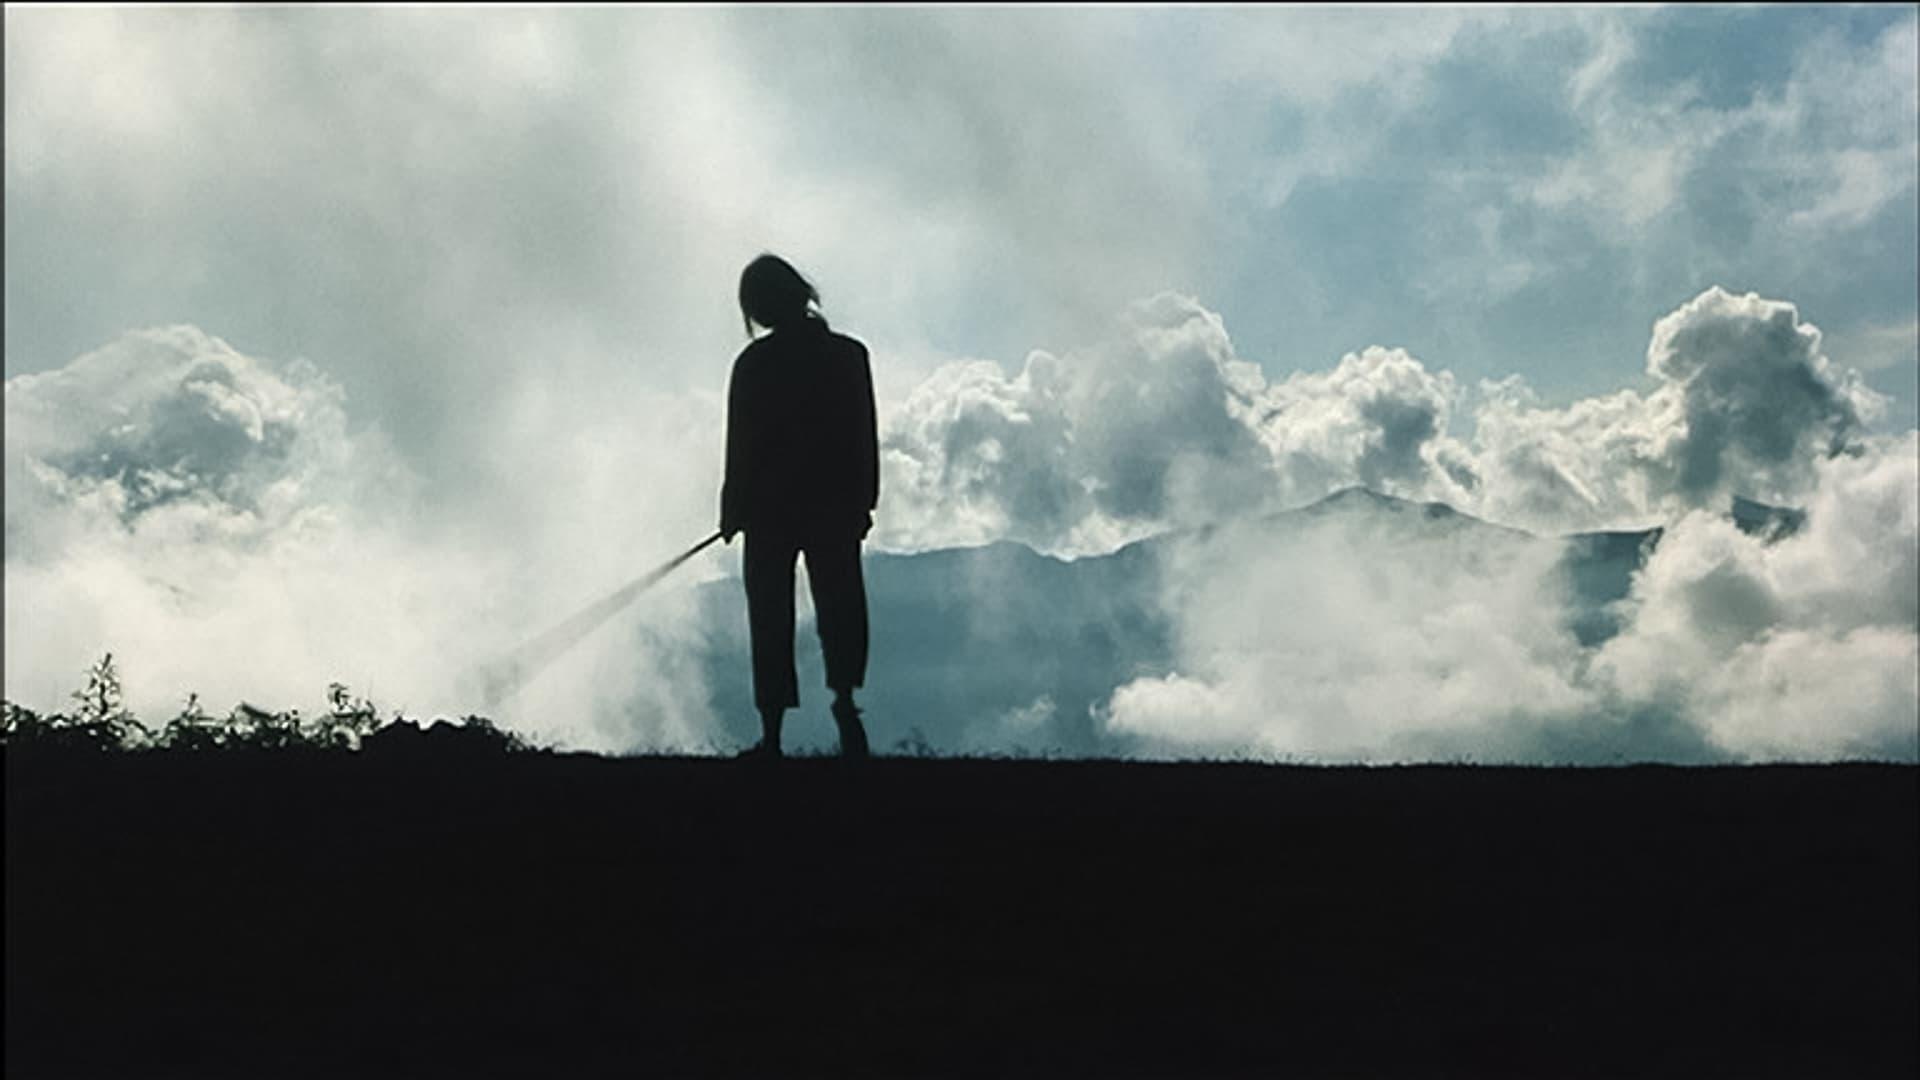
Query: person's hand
[727,533]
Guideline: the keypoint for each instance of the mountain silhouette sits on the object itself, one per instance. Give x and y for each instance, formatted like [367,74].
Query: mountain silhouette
[967,635]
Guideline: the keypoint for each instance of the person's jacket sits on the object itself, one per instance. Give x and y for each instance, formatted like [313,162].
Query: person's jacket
[803,447]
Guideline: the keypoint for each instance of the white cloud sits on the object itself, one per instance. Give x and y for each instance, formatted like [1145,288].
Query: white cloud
[1018,730]
[1161,425]
[1367,635]
[1358,637]
[1864,101]
[1378,419]
[1594,464]
[1804,647]
[1762,403]
[1081,451]
[1745,403]
[170,430]
[1826,149]
[1165,425]
[215,521]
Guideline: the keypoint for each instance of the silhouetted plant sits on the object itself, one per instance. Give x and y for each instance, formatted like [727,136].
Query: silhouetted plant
[260,729]
[193,729]
[103,718]
[348,720]
[24,725]
[101,697]
[484,730]
[474,734]
[101,721]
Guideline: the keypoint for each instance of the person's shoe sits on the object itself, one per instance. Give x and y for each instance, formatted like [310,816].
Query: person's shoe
[760,751]
[853,737]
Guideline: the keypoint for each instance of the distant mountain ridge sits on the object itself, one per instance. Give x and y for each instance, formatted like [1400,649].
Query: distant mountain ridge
[1000,648]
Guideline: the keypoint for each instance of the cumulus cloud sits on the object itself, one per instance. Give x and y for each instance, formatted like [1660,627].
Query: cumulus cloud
[216,521]
[173,425]
[1744,403]
[1378,419]
[1164,424]
[1762,404]
[1082,450]
[1160,425]
[1800,647]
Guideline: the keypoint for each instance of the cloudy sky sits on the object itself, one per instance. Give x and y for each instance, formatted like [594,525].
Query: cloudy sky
[352,342]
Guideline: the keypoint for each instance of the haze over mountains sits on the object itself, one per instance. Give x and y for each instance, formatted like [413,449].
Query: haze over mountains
[999,649]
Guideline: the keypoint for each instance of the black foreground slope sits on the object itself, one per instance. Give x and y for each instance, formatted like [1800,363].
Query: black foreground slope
[540,915]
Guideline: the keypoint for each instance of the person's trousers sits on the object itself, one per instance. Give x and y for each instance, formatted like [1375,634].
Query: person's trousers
[839,607]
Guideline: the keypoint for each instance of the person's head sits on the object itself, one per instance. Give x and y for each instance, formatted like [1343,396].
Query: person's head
[773,294]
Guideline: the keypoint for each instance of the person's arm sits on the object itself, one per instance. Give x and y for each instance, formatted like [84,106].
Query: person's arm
[870,437]
[739,466]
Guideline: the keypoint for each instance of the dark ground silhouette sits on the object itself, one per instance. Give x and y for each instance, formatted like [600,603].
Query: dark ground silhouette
[313,914]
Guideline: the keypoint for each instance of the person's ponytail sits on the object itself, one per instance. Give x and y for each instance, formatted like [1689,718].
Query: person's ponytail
[773,294]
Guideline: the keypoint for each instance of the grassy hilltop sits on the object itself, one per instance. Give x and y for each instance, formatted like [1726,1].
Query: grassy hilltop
[347,914]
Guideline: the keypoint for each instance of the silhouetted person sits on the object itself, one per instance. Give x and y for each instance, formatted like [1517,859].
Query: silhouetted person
[802,476]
